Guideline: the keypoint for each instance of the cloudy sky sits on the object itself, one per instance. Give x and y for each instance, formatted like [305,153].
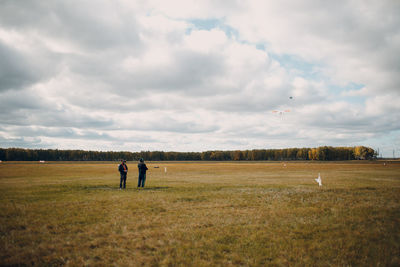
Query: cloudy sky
[199,75]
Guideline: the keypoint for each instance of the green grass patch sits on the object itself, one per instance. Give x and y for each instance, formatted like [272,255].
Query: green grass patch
[219,214]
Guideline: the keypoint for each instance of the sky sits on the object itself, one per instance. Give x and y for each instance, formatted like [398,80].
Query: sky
[119,75]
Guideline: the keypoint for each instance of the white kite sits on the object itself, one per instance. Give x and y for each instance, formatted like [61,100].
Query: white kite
[280,113]
[318,180]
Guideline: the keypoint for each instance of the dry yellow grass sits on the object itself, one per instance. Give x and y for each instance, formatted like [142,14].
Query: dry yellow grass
[200,214]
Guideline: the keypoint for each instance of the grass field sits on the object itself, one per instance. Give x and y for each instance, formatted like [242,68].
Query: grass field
[201,214]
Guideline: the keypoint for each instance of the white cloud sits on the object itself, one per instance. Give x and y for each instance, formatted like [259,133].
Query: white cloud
[206,41]
[190,75]
[356,41]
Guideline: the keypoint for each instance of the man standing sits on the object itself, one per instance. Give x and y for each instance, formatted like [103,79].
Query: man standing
[123,170]
[142,173]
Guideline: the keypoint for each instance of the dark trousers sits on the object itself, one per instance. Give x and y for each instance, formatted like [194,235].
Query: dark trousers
[142,179]
[122,180]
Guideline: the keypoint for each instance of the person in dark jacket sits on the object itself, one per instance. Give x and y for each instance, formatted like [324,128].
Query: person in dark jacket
[142,173]
[123,170]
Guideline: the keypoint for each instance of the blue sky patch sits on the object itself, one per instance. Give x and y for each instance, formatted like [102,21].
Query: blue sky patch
[304,68]
[209,24]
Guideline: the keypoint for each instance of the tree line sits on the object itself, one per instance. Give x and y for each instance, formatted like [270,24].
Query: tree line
[324,153]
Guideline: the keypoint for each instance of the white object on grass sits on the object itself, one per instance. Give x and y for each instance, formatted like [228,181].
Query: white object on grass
[318,180]
[165,169]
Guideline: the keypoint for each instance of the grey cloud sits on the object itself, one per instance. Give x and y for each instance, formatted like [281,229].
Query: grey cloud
[15,100]
[62,132]
[190,73]
[167,123]
[15,69]
[89,91]
[33,137]
[17,14]
[53,117]
[351,121]
[257,100]
[178,127]
[73,21]
[20,69]
[70,119]
[246,103]
[44,113]
[358,39]
[21,142]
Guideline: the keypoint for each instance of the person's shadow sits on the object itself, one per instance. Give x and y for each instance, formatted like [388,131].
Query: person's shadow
[153,188]
[113,187]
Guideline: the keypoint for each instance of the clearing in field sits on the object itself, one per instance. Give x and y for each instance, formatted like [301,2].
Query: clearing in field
[200,214]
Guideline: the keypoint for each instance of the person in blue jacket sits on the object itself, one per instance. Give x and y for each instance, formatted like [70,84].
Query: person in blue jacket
[142,173]
[123,170]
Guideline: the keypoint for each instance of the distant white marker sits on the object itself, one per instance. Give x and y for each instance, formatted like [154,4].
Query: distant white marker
[318,180]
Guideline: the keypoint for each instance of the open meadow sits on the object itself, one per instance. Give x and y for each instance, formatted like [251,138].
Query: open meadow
[200,214]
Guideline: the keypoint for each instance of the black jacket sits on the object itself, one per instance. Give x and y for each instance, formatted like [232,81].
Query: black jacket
[121,168]
[142,168]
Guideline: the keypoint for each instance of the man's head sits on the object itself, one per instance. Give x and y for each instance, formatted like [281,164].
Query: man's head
[141,159]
